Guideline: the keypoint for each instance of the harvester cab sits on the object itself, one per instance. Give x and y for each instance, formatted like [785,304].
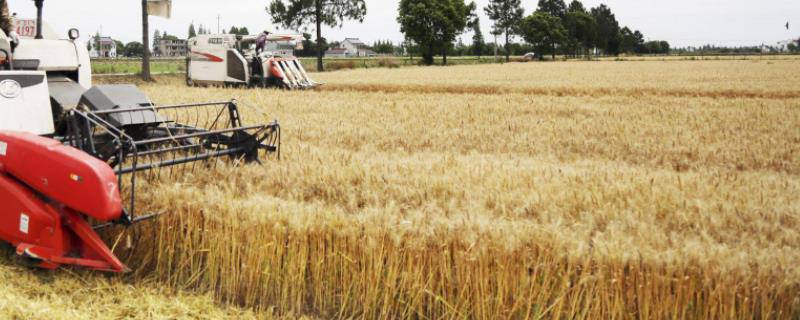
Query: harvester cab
[227,59]
[70,152]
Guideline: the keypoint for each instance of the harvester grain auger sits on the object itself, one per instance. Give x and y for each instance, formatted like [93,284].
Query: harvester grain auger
[227,59]
[70,154]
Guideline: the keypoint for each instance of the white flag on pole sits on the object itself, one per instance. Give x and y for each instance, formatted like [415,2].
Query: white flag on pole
[160,8]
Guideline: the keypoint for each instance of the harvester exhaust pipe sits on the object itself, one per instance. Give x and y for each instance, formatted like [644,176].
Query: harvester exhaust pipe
[39,9]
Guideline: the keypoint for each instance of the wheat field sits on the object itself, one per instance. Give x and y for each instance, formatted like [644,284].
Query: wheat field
[580,190]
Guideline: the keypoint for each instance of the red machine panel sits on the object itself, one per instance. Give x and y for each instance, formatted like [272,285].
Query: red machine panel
[48,233]
[25,218]
[65,174]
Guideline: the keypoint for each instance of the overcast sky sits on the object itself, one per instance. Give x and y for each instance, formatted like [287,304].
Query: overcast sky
[681,22]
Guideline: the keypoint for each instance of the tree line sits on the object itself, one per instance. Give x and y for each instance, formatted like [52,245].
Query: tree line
[553,28]
[431,27]
[193,32]
[792,47]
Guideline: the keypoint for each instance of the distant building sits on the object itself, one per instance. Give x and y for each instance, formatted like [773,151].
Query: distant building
[171,48]
[102,47]
[336,53]
[357,48]
[783,46]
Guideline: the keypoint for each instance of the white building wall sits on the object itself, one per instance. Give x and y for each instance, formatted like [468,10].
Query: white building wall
[95,52]
[351,48]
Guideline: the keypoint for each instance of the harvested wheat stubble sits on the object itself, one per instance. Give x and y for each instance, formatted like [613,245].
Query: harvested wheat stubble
[26,294]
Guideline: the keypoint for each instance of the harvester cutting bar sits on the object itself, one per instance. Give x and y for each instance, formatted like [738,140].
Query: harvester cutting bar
[294,75]
[296,82]
[178,161]
[289,65]
[148,138]
[194,135]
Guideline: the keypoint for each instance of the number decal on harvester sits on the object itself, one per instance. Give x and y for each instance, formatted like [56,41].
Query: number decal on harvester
[24,220]
[3,148]
[26,28]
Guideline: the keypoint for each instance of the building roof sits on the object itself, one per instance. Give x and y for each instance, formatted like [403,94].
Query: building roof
[355,41]
[105,40]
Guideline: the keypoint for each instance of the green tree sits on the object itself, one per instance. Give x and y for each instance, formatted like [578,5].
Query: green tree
[556,8]
[576,6]
[607,28]
[631,41]
[665,47]
[96,42]
[627,43]
[507,15]
[409,47]
[156,39]
[399,50]
[656,47]
[478,43]
[383,47]
[310,47]
[299,13]
[434,24]
[192,31]
[239,31]
[580,28]
[638,38]
[120,47]
[133,49]
[544,31]
[460,48]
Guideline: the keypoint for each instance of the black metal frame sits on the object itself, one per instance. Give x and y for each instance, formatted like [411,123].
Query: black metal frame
[215,130]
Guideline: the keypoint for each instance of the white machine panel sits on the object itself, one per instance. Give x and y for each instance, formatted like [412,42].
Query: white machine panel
[53,55]
[25,102]
[209,64]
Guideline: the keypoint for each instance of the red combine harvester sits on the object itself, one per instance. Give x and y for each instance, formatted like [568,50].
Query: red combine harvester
[70,152]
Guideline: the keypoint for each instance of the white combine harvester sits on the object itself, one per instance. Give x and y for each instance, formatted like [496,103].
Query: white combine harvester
[71,152]
[227,59]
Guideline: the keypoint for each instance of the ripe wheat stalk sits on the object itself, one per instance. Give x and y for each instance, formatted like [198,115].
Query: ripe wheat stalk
[592,203]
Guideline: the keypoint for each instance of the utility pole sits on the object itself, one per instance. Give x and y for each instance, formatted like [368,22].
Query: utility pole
[218,31]
[145,43]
